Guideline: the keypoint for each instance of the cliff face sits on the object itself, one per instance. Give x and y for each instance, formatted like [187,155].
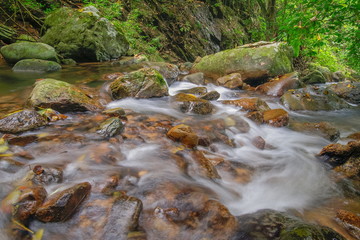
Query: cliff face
[187,29]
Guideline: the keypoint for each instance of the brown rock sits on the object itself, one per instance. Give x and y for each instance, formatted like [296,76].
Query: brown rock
[256,116]
[195,91]
[348,217]
[62,205]
[213,95]
[184,134]
[46,175]
[189,103]
[21,140]
[276,117]
[336,154]
[29,201]
[355,136]
[278,86]
[259,142]
[351,168]
[231,81]
[249,104]
[204,166]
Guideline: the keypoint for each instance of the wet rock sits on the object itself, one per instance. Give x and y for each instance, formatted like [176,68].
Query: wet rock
[22,121]
[188,103]
[170,72]
[313,99]
[144,83]
[36,65]
[52,115]
[211,96]
[270,224]
[126,61]
[61,96]
[338,76]
[276,117]
[231,81]
[29,201]
[60,206]
[259,142]
[351,168]
[21,140]
[110,185]
[196,78]
[83,35]
[249,104]
[355,136]
[348,217]
[195,91]
[204,166]
[348,91]
[323,129]
[110,127]
[256,116]
[28,50]
[252,61]
[278,86]
[46,175]
[123,218]
[336,154]
[115,112]
[184,134]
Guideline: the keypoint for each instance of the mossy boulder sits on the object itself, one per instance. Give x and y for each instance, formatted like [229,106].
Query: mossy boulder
[314,77]
[61,96]
[36,65]
[313,99]
[144,83]
[254,61]
[28,50]
[83,35]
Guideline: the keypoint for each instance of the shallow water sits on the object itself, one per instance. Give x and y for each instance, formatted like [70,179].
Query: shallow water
[286,174]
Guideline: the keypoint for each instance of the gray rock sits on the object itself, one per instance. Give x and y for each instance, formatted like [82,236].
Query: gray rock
[110,127]
[22,121]
[196,78]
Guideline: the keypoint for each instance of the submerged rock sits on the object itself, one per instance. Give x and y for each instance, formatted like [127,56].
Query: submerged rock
[60,96]
[36,65]
[184,134]
[22,121]
[84,35]
[313,98]
[278,86]
[46,175]
[60,206]
[28,50]
[144,83]
[251,61]
[249,104]
[323,129]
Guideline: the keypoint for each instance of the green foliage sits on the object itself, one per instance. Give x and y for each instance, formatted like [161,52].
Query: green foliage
[110,9]
[325,30]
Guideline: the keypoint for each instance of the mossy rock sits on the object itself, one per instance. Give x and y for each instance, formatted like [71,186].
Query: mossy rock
[36,65]
[314,77]
[313,99]
[110,127]
[304,231]
[60,96]
[28,50]
[83,35]
[144,83]
[251,61]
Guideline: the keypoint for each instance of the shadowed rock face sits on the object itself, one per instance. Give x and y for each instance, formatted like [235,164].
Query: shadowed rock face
[22,121]
[61,96]
[62,205]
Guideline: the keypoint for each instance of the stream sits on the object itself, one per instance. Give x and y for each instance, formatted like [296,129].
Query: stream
[285,175]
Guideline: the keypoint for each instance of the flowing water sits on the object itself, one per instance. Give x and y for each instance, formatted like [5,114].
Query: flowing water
[285,175]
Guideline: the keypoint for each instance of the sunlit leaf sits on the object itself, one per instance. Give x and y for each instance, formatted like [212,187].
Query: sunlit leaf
[38,235]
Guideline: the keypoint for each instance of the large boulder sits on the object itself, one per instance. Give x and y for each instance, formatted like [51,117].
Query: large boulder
[253,61]
[83,35]
[144,83]
[36,65]
[60,96]
[28,50]
[313,99]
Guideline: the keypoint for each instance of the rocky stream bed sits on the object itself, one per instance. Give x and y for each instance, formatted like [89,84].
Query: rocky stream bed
[234,146]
